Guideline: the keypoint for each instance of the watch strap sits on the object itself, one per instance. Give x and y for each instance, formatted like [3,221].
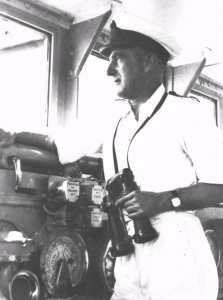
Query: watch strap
[175,194]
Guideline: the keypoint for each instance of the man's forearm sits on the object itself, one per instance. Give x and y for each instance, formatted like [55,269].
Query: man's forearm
[200,195]
[194,197]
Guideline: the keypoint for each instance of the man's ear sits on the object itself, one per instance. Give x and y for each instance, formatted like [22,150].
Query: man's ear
[149,61]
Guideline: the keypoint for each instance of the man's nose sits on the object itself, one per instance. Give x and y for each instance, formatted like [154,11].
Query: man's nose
[111,71]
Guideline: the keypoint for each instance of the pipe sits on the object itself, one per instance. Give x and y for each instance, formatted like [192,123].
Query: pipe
[28,155]
[7,272]
[25,286]
[36,140]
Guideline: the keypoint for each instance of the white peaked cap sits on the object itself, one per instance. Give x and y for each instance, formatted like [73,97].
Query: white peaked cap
[134,23]
[184,27]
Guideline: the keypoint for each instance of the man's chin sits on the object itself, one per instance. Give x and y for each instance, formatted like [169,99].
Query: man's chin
[121,94]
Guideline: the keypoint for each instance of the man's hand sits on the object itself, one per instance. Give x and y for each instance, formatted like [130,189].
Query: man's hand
[139,204]
[6,138]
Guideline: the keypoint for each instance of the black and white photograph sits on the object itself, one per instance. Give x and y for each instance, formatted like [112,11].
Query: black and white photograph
[111,150]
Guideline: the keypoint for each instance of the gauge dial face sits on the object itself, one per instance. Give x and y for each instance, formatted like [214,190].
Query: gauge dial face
[63,262]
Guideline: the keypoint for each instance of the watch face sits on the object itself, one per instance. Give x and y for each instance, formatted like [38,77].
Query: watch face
[176,202]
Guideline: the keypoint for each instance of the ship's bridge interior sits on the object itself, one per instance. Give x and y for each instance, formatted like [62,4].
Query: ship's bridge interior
[54,232]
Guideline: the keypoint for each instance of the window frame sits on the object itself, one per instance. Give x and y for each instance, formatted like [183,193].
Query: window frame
[211,90]
[59,35]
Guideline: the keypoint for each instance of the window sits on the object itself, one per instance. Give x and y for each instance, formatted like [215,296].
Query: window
[96,91]
[208,106]
[209,90]
[24,61]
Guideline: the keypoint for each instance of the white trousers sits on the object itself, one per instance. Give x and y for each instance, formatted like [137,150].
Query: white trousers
[177,266]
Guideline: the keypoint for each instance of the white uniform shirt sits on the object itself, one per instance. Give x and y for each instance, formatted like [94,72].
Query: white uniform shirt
[175,148]
[178,145]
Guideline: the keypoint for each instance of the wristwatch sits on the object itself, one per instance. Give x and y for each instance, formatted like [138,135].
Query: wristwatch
[175,201]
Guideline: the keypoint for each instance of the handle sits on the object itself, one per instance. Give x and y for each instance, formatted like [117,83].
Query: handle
[27,191]
[18,174]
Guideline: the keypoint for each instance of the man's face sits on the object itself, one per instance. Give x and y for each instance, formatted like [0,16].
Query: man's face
[127,68]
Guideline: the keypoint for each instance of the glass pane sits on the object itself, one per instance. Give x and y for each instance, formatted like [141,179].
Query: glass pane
[208,107]
[96,91]
[24,77]
[214,72]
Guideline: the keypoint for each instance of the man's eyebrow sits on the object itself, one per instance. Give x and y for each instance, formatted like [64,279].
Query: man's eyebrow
[115,53]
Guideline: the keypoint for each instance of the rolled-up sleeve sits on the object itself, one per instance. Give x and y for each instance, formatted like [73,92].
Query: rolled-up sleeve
[203,145]
[77,141]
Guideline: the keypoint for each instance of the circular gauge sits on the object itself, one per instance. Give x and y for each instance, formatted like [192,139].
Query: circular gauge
[107,264]
[63,263]
[214,244]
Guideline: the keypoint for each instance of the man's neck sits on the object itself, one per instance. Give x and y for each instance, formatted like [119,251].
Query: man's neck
[136,103]
[135,108]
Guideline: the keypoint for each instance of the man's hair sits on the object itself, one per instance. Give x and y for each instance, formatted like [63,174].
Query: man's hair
[142,52]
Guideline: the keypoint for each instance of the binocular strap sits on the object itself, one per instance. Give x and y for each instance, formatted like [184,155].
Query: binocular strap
[159,105]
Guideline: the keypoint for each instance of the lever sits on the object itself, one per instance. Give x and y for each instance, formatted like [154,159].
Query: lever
[18,174]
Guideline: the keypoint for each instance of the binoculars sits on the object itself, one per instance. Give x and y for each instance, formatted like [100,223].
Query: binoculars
[118,186]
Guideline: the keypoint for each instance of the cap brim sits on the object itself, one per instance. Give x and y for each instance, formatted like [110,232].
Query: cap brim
[147,28]
[105,51]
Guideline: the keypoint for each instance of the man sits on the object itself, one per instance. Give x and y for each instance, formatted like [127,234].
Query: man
[176,160]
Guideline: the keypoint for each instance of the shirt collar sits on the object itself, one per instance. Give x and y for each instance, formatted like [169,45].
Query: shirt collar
[147,108]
